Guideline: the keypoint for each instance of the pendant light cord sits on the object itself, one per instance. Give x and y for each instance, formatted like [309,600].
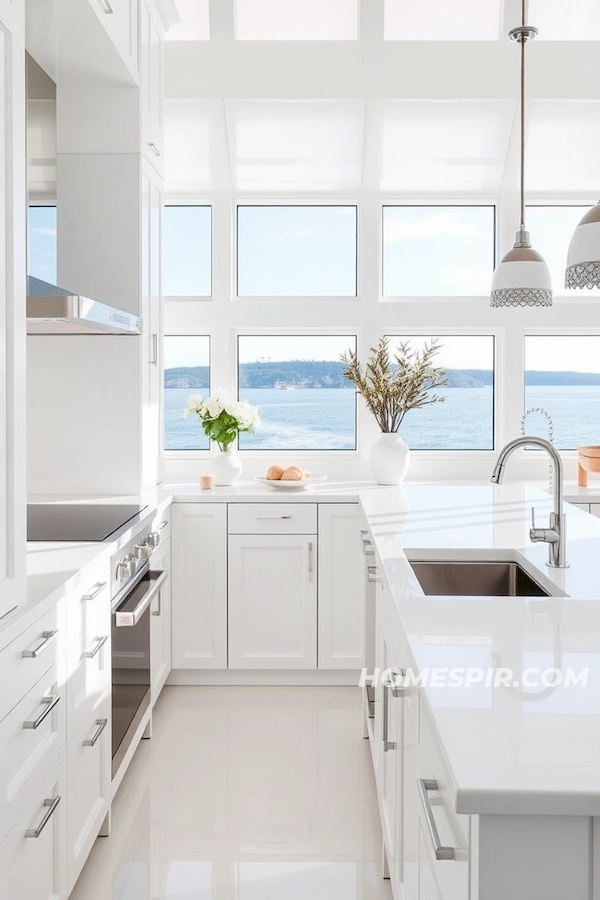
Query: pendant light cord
[523,42]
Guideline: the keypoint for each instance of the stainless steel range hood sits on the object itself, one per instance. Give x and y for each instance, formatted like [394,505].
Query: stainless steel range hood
[52,310]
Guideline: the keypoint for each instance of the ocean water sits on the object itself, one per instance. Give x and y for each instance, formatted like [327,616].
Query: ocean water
[325,419]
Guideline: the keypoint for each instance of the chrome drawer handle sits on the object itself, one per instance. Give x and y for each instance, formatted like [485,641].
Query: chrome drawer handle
[47,638]
[272,517]
[162,525]
[99,644]
[107,8]
[98,587]
[91,742]
[49,704]
[311,564]
[425,785]
[154,148]
[387,744]
[51,805]
[372,576]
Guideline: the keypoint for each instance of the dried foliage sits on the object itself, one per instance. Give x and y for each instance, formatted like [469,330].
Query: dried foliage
[391,386]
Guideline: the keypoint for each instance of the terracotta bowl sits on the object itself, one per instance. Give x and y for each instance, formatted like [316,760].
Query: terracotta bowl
[588,460]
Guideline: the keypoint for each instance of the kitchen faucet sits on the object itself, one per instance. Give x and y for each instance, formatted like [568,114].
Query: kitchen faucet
[555,535]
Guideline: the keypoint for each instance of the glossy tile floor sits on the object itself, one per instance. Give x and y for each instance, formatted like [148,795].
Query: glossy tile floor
[254,793]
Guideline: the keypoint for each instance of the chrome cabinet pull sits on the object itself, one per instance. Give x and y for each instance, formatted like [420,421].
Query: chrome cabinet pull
[99,644]
[50,806]
[98,587]
[387,744]
[158,610]
[153,361]
[91,742]
[154,148]
[311,560]
[49,704]
[106,7]
[162,525]
[425,785]
[47,638]
[372,576]
[272,517]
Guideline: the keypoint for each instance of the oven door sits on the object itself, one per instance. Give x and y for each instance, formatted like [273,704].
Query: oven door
[131,660]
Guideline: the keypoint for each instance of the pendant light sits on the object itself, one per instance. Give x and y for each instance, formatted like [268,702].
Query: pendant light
[583,259]
[522,277]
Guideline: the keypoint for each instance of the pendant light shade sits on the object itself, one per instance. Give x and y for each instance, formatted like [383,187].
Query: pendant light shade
[583,259]
[522,277]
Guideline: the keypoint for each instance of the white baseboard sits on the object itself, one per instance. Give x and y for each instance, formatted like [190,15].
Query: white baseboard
[243,677]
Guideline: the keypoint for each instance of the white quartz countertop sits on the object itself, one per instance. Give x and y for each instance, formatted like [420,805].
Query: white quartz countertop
[508,751]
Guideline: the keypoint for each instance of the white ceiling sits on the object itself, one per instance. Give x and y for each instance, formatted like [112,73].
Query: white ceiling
[413,20]
[414,147]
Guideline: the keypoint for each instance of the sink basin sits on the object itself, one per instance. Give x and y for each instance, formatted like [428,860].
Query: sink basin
[476,579]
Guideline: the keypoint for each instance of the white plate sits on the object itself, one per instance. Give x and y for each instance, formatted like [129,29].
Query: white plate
[291,485]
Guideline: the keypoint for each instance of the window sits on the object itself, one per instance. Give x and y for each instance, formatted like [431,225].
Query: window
[41,227]
[296,381]
[562,378]
[551,229]
[187,249]
[187,371]
[438,251]
[296,20]
[296,251]
[465,420]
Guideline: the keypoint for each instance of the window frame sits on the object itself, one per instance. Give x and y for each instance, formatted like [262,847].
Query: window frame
[294,203]
[444,204]
[174,201]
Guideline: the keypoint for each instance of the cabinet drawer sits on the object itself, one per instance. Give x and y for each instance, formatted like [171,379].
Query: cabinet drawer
[88,675]
[28,657]
[89,603]
[32,739]
[272,518]
[88,782]
[436,807]
[33,856]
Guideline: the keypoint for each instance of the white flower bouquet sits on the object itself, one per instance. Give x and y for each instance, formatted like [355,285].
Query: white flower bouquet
[222,417]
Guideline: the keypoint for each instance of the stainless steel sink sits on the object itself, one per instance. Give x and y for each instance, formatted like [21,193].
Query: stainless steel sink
[476,579]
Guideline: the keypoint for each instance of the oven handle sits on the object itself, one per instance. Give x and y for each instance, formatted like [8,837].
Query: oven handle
[132,617]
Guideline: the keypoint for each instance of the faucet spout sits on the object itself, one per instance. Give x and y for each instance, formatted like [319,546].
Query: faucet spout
[555,535]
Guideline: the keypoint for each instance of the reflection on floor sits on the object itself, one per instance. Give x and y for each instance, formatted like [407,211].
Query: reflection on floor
[245,794]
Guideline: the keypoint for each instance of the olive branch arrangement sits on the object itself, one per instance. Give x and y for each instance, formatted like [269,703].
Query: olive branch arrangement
[391,386]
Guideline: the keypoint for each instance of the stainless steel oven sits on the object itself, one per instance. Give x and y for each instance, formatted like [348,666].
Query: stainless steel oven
[134,587]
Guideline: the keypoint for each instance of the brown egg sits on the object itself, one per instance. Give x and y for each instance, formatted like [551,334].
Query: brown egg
[292,474]
[274,473]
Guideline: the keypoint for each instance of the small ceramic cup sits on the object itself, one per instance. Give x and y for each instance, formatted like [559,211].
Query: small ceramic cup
[207,482]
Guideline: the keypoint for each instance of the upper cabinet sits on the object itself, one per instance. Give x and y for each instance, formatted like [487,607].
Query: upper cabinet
[12,306]
[120,18]
[151,83]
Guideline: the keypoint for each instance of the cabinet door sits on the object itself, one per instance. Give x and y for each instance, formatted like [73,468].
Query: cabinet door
[12,306]
[160,624]
[151,83]
[120,20]
[409,801]
[427,885]
[33,856]
[341,587]
[199,585]
[272,601]
[88,781]
[151,307]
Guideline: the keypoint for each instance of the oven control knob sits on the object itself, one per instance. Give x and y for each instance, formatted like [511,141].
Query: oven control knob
[153,540]
[126,568]
[140,552]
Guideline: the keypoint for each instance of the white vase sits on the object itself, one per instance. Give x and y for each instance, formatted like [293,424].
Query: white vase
[227,467]
[390,457]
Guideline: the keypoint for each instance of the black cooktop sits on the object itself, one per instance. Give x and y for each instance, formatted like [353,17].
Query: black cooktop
[77,521]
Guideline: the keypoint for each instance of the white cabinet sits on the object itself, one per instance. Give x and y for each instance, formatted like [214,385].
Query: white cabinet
[88,786]
[160,623]
[272,601]
[199,586]
[341,587]
[33,856]
[151,313]
[151,83]
[12,306]
[120,21]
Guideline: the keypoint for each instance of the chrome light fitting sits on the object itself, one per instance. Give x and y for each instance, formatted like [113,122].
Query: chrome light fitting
[583,259]
[522,277]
